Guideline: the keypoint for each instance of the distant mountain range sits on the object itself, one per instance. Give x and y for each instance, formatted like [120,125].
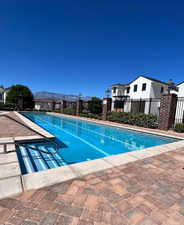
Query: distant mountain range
[57,96]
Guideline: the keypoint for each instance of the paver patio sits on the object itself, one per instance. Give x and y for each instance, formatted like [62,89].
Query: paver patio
[145,192]
[10,128]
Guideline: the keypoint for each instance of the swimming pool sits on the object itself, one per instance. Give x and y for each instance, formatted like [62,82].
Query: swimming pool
[81,141]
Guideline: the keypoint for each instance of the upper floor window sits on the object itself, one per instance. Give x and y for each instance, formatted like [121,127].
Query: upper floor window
[162,89]
[144,87]
[128,90]
[135,87]
[114,89]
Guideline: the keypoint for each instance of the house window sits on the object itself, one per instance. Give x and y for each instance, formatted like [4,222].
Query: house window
[135,88]
[162,89]
[144,87]
[114,89]
[128,90]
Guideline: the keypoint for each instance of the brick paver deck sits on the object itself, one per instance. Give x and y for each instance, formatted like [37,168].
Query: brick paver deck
[9,128]
[145,192]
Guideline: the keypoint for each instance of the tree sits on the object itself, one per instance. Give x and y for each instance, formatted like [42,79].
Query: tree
[95,105]
[20,91]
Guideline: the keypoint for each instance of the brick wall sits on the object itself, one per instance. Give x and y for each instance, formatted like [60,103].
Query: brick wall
[167,111]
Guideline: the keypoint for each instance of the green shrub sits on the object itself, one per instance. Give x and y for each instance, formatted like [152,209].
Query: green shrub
[69,111]
[137,119]
[179,127]
[91,115]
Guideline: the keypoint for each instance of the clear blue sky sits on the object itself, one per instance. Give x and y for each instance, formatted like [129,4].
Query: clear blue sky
[72,46]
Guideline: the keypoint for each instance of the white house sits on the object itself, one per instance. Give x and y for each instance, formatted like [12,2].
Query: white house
[3,94]
[180,104]
[180,90]
[143,89]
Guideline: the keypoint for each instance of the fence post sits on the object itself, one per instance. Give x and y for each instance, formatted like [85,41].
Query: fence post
[106,107]
[167,114]
[63,105]
[79,107]
[150,101]
[53,105]
[140,105]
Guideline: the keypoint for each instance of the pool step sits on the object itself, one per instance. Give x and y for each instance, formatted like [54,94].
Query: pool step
[33,161]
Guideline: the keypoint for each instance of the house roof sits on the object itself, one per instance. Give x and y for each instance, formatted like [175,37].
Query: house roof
[118,85]
[180,83]
[149,78]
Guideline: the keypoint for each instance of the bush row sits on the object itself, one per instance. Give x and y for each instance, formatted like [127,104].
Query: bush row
[137,119]
[179,127]
[91,115]
[69,111]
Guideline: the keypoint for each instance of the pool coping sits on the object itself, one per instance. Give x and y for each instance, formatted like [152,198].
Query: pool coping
[77,170]
[53,176]
[33,126]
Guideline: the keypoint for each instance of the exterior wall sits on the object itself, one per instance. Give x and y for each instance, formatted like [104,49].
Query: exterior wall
[139,93]
[156,90]
[181,91]
[3,95]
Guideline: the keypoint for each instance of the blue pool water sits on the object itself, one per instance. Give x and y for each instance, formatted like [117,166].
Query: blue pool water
[81,141]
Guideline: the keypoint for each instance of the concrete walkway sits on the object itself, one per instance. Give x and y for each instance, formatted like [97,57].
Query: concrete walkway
[145,192]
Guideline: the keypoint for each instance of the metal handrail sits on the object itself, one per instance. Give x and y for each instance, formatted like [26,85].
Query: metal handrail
[35,149]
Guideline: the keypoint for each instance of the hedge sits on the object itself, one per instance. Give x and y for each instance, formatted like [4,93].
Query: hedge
[179,127]
[69,111]
[137,119]
[91,115]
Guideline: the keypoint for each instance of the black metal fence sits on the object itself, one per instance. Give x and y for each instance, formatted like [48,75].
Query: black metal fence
[146,106]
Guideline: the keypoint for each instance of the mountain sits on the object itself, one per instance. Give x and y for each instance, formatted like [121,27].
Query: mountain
[57,96]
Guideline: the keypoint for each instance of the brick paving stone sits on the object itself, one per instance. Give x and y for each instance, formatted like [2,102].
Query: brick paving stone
[16,220]
[84,222]
[36,215]
[91,202]
[71,211]
[64,220]
[28,222]
[51,196]
[49,219]
[5,214]
[9,203]
[147,221]
[38,196]
[134,215]
[145,192]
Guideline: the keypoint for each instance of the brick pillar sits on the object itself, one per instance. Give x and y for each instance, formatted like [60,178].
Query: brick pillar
[79,107]
[107,102]
[168,105]
[63,105]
